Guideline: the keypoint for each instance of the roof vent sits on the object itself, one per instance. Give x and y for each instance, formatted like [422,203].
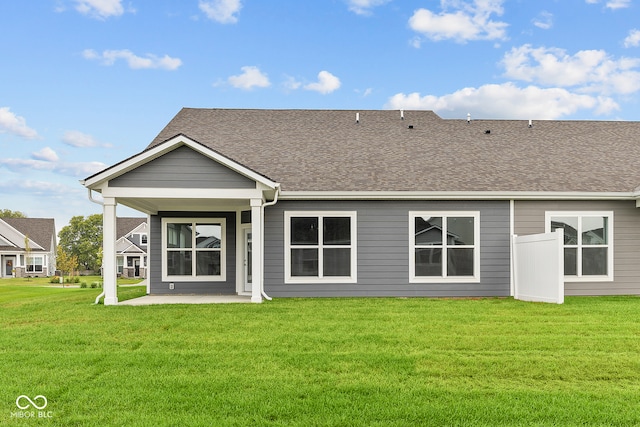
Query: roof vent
[401,114]
[487,132]
[468,118]
[530,123]
[357,117]
[410,127]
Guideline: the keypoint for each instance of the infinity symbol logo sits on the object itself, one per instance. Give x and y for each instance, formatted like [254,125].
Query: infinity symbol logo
[31,402]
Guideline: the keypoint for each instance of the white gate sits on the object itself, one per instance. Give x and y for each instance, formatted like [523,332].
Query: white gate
[538,267]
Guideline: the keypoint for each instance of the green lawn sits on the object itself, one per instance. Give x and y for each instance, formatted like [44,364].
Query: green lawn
[306,362]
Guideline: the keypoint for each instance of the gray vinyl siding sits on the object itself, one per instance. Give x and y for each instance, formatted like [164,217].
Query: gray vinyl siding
[182,168]
[383,250]
[158,286]
[530,219]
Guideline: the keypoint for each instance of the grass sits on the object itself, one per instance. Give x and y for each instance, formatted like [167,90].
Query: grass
[345,362]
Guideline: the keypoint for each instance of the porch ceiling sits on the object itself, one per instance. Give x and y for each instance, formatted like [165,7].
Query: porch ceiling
[153,205]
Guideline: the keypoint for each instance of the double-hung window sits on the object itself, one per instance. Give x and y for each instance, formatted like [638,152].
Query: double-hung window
[588,243]
[444,246]
[34,264]
[320,247]
[193,249]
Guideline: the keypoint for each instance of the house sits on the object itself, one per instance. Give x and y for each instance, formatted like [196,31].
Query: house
[131,247]
[27,247]
[328,203]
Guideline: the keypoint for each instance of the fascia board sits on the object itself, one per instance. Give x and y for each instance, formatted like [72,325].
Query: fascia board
[455,195]
[6,242]
[141,228]
[17,238]
[131,249]
[148,155]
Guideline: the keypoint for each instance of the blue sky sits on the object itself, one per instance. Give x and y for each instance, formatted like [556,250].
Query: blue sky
[87,83]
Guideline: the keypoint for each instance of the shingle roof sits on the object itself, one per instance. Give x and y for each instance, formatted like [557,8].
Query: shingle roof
[126,225]
[40,230]
[326,150]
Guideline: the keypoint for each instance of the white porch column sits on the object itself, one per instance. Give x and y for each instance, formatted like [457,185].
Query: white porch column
[256,249]
[109,266]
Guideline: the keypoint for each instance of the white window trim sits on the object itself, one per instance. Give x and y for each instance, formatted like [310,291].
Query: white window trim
[140,235]
[193,278]
[33,264]
[444,279]
[581,214]
[288,279]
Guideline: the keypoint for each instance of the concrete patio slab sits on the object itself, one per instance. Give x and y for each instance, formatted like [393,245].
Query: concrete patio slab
[187,299]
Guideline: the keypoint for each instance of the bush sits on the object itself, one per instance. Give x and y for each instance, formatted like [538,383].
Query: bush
[83,284]
[54,279]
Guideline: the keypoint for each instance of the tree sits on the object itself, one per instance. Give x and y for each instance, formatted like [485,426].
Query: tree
[66,262]
[83,238]
[27,251]
[8,213]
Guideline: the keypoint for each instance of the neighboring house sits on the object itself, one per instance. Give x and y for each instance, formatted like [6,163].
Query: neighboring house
[358,203]
[131,247]
[39,260]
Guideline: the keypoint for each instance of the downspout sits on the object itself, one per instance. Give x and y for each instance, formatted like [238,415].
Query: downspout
[264,205]
[101,204]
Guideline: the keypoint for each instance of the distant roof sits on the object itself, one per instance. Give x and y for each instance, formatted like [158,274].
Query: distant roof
[125,225]
[40,230]
[327,150]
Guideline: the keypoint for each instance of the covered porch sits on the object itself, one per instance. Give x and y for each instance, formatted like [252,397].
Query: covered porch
[206,220]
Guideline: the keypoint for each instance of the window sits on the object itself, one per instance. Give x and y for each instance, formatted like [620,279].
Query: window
[120,264]
[588,243]
[320,247]
[193,249]
[444,246]
[34,264]
[143,239]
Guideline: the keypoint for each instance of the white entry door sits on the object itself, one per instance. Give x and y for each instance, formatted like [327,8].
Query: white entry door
[247,260]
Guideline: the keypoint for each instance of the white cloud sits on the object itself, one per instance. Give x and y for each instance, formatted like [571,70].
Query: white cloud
[222,11]
[46,154]
[587,70]
[291,83]
[633,39]
[544,20]
[78,139]
[77,169]
[326,83]
[10,123]
[363,7]
[504,101]
[613,4]
[466,21]
[36,187]
[100,9]
[109,57]
[618,4]
[251,77]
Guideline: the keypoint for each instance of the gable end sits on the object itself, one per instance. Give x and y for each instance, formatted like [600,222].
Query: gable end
[182,168]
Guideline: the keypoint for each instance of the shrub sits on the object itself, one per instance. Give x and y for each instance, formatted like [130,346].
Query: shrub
[54,279]
[83,284]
